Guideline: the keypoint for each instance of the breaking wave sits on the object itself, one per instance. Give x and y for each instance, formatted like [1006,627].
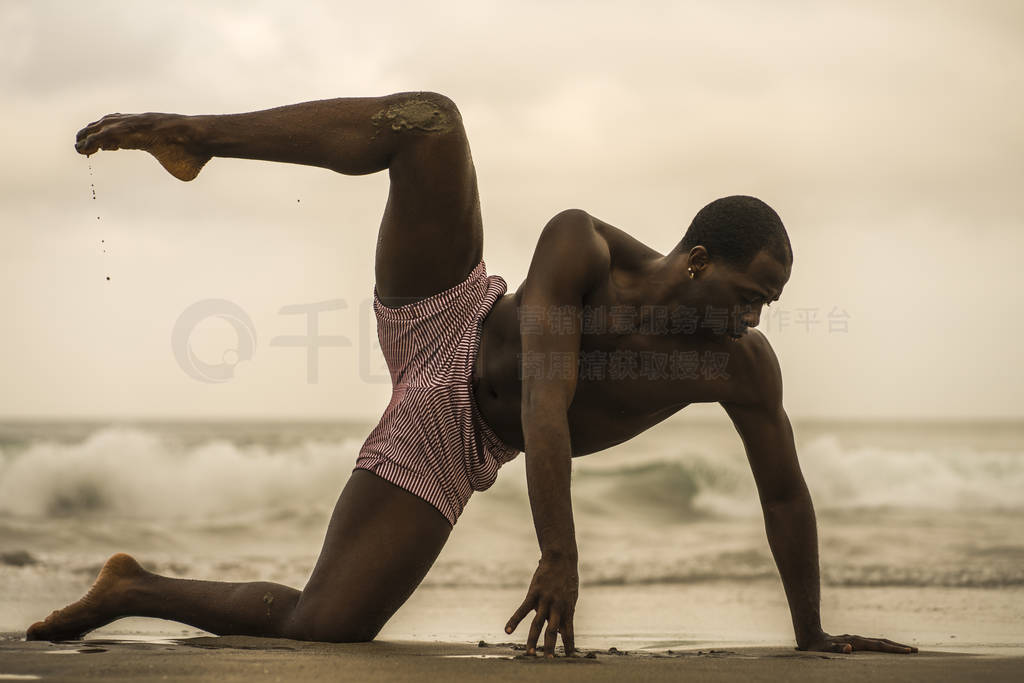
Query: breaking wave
[144,473]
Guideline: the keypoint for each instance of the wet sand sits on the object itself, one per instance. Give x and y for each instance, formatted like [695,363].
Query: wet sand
[238,658]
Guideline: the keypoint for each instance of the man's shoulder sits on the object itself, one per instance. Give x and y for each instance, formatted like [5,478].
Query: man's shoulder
[755,372]
[572,228]
[570,252]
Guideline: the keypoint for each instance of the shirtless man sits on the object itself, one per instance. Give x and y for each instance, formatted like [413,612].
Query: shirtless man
[468,390]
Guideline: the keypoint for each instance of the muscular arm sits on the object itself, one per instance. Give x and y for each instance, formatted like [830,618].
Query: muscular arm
[789,519]
[788,513]
[557,278]
[568,260]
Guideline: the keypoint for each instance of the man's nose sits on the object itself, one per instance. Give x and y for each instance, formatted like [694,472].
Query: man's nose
[751,318]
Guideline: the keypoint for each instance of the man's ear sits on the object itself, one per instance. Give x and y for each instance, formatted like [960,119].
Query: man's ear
[698,258]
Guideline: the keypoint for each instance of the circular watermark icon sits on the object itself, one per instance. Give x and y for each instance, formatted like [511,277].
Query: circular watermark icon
[231,313]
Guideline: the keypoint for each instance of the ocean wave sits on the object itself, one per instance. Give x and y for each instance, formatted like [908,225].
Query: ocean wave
[929,478]
[717,482]
[128,472]
[145,474]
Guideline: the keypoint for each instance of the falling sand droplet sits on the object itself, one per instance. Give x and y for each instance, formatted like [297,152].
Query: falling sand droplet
[92,188]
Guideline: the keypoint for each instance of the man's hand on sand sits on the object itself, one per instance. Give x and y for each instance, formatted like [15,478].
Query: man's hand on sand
[552,595]
[847,644]
[165,136]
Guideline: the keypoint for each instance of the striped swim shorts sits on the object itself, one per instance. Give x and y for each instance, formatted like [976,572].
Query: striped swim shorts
[432,440]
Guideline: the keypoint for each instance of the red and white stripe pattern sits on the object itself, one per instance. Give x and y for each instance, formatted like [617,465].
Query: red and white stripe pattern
[432,440]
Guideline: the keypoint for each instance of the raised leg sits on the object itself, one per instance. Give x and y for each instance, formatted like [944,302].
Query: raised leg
[382,539]
[380,543]
[431,234]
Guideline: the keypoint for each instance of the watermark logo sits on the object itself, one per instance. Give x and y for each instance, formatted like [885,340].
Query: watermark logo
[629,361]
[190,318]
[312,341]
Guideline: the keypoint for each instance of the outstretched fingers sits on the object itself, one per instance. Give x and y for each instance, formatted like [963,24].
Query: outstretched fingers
[556,624]
[568,638]
[551,634]
[848,643]
[535,628]
[880,645]
[519,614]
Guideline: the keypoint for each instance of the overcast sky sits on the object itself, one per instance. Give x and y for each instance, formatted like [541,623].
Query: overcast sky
[887,135]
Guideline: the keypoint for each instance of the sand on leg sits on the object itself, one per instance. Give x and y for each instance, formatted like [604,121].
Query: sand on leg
[431,233]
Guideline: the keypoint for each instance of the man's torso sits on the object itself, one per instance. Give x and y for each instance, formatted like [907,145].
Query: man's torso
[639,364]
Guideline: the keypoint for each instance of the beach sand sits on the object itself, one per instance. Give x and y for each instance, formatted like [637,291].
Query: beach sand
[706,632]
[236,658]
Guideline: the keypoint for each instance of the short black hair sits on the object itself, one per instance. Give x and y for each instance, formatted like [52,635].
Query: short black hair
[735,229]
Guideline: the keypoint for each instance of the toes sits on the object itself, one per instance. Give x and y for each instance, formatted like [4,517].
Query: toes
[40,630]
[104,126]
[84,134]
[86,146]
[107,139]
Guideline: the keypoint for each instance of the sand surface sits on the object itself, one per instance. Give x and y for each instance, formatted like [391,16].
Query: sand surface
[260,659]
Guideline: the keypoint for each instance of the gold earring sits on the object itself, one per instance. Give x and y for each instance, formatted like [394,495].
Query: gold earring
[692,273]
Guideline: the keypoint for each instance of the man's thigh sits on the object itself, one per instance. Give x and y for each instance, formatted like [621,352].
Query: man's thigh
[380,543]
[431,235]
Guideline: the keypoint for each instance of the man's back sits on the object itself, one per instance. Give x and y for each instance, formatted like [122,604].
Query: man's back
[642,355]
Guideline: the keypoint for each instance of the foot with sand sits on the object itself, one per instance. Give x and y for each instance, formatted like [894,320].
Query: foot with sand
[105,602]
[153,133]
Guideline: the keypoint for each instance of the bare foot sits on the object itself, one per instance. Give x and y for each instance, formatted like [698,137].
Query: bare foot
[162,135]
[104,603]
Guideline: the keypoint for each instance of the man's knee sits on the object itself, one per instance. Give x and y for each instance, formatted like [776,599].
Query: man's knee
[421,112]
[331,627]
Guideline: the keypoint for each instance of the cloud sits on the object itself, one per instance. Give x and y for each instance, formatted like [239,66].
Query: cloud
[859,121]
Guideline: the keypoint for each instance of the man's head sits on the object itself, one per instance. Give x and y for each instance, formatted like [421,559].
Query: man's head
[738,257]
[735,229]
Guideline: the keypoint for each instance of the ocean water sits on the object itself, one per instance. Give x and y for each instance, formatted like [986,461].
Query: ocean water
[930,508]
